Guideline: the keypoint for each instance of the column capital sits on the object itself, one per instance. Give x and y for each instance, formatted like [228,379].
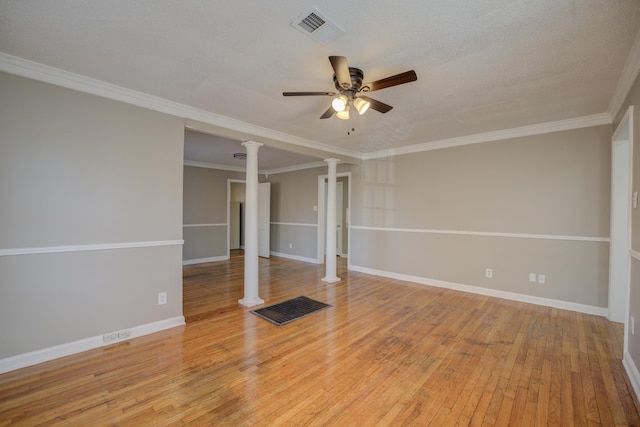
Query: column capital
[252,144]
[332,161]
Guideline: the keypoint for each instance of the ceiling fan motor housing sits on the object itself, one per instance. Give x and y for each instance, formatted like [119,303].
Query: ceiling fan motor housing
[357,77]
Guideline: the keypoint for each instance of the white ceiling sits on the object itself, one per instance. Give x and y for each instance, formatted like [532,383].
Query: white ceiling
[483,66]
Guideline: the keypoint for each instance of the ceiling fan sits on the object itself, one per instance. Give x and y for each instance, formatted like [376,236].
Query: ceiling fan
[348,82]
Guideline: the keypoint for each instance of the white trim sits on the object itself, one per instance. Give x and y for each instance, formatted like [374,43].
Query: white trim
[208,165]
[487,233]
[22,67]
[295,257]
[632,373]
[627,78]
[634,254]
[298,224]
[82,248]
[47,354]
[25,68]
[203,260]
[297,168]
[222,224]
[547,302]
[542,128]
[265,172]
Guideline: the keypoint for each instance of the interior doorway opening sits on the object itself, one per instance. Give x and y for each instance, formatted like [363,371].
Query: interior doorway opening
[621,205]
[236,202]
[343,202]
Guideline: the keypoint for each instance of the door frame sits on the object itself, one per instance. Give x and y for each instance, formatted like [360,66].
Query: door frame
[229,182]
[320,250]
[241,181]
[620,233]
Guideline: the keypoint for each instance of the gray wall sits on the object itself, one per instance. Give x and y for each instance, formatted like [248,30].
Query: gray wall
[77,171]
[293,196]
[427,215]
[205,206]
[294,222]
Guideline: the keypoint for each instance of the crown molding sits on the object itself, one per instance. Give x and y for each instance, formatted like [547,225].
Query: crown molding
[313,165]
[25,68]
[215,166]
[561,125]
[44,73]
[261,171]
[627,79]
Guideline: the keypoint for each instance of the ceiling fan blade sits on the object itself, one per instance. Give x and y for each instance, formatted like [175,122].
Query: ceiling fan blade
[377,105]
[328,113]
[341,68]
[398,79]
[308,93]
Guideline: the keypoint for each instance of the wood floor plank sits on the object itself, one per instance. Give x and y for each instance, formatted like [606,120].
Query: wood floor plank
[386,353]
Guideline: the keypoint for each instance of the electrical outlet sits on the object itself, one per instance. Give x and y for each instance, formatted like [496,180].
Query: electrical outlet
[290,245]
[116,336]
[541,278]
[110,337]
[532,277]
[162,298]
[488,273]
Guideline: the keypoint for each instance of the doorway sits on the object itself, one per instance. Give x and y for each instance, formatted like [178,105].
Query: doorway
[236,189]
[343,202]
[621,201]
[236,194]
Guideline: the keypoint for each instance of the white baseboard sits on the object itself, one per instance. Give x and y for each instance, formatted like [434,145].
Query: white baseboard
[46,354]
[203,260]
[295,257]
[632,373]
[513,296]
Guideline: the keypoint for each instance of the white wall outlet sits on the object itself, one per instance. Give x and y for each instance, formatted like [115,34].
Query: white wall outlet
[162,298]
[633,325]
[290,245]
[315,208]
[488,273]
[116,336]
[532,277]
[541,278]
[110,337]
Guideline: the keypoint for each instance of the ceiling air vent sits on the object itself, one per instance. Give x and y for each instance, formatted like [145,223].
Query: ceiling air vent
[312,22]
[317,26]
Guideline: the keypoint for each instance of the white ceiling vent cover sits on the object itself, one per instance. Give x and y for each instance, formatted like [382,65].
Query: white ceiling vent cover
[317,26]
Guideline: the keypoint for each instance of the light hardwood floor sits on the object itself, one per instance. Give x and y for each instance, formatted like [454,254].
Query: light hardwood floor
[387,353]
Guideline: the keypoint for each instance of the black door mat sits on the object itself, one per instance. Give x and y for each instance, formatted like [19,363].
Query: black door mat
[290,310]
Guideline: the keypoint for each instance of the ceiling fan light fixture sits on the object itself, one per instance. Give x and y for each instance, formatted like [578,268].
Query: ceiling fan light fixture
[344,114]
[340,103]
[361,105]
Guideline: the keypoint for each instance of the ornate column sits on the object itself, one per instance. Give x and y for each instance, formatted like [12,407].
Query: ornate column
[330,261]
[251,271]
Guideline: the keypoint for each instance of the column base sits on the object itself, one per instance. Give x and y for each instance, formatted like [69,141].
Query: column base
[334,279]
[250,302]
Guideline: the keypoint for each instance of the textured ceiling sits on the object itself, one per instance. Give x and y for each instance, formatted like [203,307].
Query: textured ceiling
[482,65]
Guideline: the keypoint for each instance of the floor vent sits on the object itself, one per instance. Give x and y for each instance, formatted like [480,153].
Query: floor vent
[317,26]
